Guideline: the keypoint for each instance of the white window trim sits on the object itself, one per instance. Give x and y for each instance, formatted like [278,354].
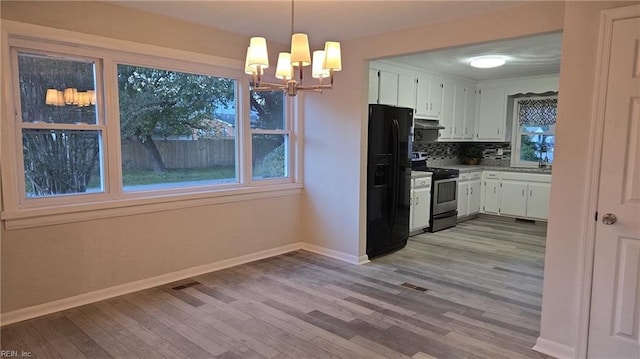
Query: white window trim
[16,215]
[516,134]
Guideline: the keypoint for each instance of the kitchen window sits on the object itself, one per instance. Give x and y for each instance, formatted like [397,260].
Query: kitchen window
[535,124]
[100,129]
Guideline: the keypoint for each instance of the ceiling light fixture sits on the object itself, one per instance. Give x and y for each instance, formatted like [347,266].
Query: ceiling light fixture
[325,63]
[487,62]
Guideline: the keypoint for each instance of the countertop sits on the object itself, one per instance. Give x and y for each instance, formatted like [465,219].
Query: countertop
[420,174]
[469,168]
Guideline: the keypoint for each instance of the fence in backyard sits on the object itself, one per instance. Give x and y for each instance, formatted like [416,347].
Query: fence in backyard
[191,154]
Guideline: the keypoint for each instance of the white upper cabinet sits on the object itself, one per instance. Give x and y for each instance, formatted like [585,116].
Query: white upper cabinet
[492,114]
[388,88]
[407,91]
[447,110]
[373,85]
[429,96]
[393,86]
[469,111]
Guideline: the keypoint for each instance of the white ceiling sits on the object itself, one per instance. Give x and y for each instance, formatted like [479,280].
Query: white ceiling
[344,20]
[530,56]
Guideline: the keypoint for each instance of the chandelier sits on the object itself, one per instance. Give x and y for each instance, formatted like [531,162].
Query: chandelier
[70,96]
[325,63]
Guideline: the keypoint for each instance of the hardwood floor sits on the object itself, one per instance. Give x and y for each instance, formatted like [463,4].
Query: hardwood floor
[472,291]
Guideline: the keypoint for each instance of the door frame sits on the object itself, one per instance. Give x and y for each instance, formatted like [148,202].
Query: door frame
[587,250]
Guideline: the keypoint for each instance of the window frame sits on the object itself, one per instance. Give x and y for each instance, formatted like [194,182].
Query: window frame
[22,212]
[286,131]
[516,137]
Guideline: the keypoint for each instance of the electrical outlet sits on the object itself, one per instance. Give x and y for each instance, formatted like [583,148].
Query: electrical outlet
[500,152]
[449,150]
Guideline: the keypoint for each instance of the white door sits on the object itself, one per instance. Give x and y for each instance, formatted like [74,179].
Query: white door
[422,198]
[614,329]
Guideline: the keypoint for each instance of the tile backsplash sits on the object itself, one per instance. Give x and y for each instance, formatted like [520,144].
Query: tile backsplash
[447,153]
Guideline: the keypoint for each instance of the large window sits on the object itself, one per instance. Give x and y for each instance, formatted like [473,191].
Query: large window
[103,127]
[176,128]
[535,124]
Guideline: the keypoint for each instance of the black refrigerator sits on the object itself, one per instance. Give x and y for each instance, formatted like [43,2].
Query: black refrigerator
[388,178]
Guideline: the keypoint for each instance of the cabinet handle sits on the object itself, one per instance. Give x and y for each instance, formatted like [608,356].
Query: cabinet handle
[471,189]
[494,189]
[522,193]
[498,131]
[417,200]
[530,193]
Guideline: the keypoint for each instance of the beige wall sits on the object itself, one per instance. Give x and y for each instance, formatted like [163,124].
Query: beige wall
[54,262]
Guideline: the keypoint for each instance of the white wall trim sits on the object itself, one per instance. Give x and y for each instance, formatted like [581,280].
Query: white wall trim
[345,257]
[554,349]
[106,293]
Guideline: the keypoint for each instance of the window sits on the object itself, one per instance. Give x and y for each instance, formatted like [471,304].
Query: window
[102,128]
[62,132]
[535,123]
[269,135]
[176,128]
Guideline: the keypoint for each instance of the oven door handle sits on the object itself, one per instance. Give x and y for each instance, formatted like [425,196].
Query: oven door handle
[395,146]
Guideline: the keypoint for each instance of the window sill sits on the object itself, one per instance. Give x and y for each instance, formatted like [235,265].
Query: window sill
[29,218]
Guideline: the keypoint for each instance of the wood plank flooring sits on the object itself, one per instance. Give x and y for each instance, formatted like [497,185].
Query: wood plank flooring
[473,291]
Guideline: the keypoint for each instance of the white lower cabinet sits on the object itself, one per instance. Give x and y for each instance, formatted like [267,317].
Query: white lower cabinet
[522,195]
[538,200]
[491,192]
[468,194]
[420,203]
[514,199]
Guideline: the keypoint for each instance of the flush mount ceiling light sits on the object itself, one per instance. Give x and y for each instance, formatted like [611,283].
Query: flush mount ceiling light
[487,62]
[325,63]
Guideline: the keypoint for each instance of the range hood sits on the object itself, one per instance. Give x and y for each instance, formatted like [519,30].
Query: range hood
[424,124]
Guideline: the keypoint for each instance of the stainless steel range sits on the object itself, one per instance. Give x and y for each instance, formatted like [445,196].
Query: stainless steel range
[444,200]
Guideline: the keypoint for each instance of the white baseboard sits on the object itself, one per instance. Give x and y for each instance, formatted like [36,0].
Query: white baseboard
[102,294]
[349,258]
[106,293]
[554,349]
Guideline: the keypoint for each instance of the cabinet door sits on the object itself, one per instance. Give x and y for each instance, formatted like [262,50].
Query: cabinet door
[538,200]
[446,113]
[412,202]
[514,199]
[463,199]
[388,88]
[469,112]
[428,96]
[474,197]
[373,85]
[406,91]
[421,208]
[458,110]
[435,96]
[492,115]
[491,200]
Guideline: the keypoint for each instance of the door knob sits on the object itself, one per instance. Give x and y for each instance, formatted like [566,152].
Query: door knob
[609,219]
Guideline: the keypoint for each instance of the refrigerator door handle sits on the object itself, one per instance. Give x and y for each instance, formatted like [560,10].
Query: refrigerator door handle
[395,129]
